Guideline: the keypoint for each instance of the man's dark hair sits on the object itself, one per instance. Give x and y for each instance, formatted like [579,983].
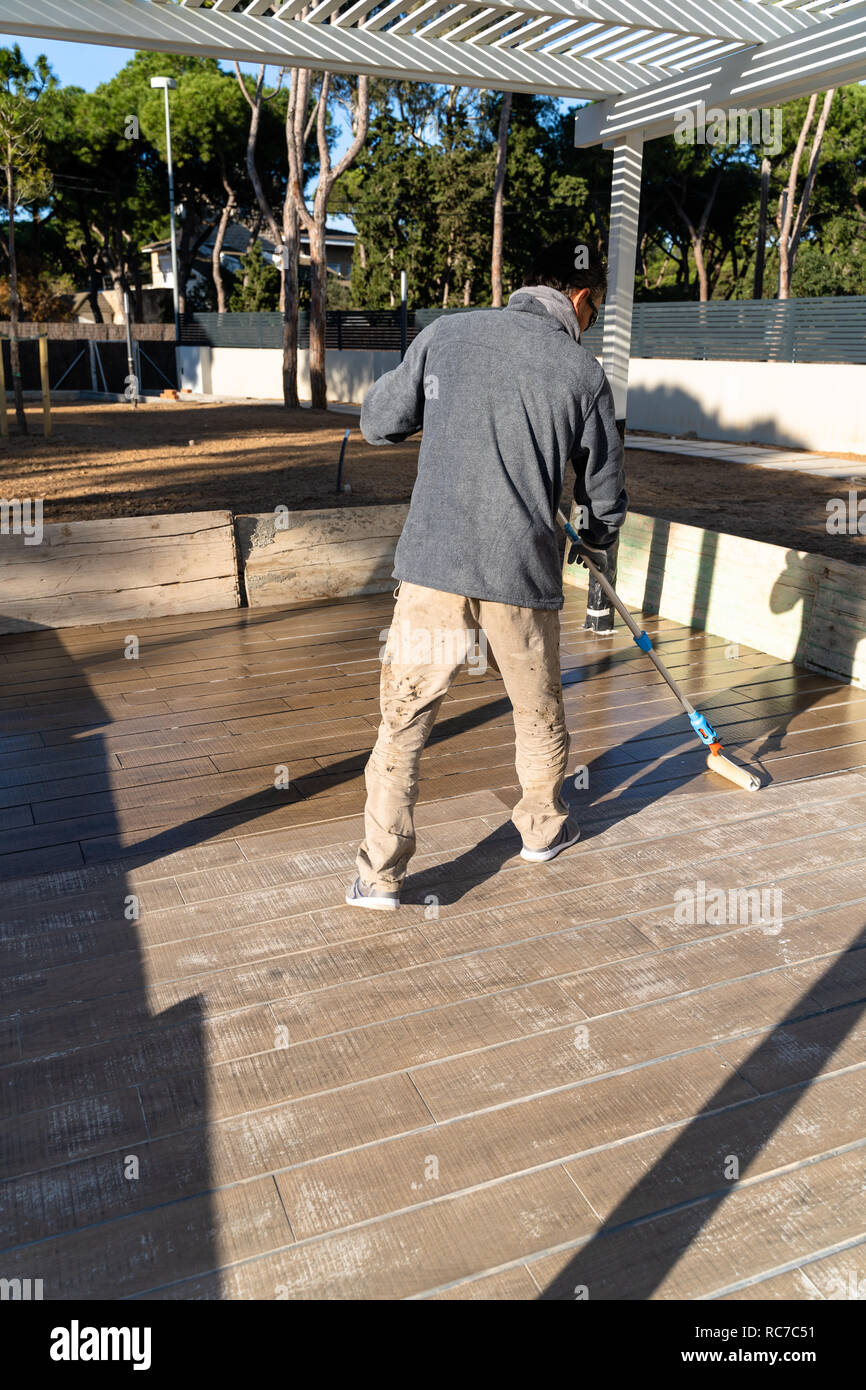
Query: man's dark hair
[569,264]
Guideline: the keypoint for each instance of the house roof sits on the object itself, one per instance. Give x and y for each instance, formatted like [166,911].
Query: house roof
[237,240]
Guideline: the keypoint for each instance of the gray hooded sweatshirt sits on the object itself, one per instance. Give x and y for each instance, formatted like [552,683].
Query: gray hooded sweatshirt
[505,398]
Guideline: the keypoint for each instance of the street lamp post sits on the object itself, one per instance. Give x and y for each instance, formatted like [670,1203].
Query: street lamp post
[168,84]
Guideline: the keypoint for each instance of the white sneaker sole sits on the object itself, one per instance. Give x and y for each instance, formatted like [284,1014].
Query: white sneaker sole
[373,904]
[541,856]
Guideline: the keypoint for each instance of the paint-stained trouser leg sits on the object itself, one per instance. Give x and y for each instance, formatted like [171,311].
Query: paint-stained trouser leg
[525,642]
[422,656]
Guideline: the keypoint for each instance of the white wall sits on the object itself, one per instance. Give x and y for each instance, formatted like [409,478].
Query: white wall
[257,372]
[802,405]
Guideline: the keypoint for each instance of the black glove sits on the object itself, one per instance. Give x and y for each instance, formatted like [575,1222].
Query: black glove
[604,558]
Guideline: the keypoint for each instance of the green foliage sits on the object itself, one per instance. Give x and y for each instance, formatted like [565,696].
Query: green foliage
[91,166]
[421,196]
[22,145]
[257,285]
[338,293]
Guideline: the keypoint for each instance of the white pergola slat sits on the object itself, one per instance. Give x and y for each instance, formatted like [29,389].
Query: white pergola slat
[829,54]
[619,47]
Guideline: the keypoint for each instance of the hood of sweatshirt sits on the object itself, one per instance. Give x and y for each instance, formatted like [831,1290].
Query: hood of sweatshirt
[554,301]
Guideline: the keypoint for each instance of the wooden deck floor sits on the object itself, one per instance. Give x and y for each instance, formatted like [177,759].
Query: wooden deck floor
[220,1082]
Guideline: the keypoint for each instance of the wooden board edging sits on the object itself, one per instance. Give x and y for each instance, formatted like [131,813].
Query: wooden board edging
[788,603]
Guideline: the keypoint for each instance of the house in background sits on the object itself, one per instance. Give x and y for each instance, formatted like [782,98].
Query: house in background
[155,306]
[339,246]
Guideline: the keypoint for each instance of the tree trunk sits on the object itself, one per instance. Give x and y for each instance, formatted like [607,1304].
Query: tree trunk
[498,199]
[318,309]
[785,216]
[314,222]
[93,295]
[761,249]
[802,213]
[697,235]
[448,272]
[14,301]
[265,209]
[294,209]
[184,261]
[291,248]
[700,267]
[219,239]
[643,260]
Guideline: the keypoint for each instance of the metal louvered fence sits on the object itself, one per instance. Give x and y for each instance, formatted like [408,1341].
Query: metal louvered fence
[831,329]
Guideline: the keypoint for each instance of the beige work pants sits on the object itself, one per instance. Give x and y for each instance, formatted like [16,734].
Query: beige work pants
[430,636]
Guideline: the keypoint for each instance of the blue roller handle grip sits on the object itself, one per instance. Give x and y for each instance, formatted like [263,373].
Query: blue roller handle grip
[703,728]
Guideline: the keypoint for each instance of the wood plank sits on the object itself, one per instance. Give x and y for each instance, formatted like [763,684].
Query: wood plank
[412,1253]
[275,1037]
[180,563]
[131,1255]
[524,1067]
[699,1251]
[94,1188]
[344,1190]
[319,554]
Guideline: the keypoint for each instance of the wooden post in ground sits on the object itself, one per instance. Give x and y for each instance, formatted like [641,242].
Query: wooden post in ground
[4,422]
[46,385]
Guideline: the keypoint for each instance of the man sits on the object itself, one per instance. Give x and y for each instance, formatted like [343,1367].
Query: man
[506,397]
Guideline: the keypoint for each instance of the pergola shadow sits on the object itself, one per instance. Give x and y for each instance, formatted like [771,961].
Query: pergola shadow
[649,1230]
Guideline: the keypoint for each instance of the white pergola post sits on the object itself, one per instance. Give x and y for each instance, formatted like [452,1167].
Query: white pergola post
[616,348]
[622,255]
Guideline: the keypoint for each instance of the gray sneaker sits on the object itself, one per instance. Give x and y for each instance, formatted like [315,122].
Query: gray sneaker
[359,895]
[568,836]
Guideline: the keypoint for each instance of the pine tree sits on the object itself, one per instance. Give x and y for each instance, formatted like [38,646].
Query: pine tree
[257,288]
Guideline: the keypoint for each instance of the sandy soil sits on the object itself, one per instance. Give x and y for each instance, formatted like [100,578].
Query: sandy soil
[112,460]
[787,509]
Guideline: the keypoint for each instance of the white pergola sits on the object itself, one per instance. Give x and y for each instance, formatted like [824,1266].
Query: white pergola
[638,63]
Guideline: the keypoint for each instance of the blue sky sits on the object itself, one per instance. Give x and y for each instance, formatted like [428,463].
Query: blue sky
[81,64]
[76,64]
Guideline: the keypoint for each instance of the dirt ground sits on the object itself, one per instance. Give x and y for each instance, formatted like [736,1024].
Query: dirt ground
[174,456]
